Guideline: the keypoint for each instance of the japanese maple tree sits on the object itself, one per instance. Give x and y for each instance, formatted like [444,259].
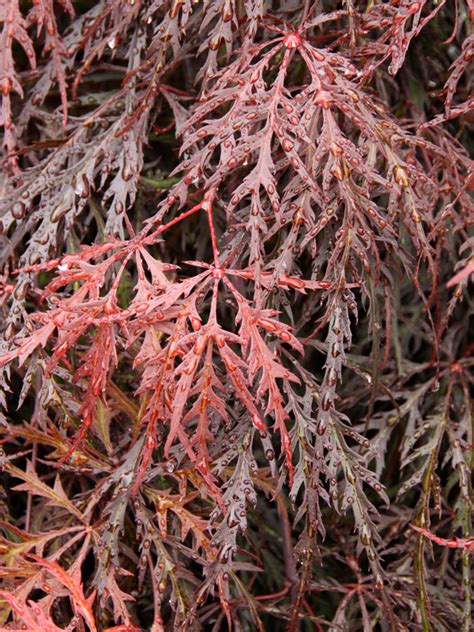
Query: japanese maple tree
[236,356]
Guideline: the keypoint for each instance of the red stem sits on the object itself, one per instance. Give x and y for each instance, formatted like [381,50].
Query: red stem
[174,221]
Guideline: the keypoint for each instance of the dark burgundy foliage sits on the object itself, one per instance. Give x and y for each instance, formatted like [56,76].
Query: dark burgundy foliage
[237,246]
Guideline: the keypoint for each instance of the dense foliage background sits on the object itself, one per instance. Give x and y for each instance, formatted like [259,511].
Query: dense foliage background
[236,242]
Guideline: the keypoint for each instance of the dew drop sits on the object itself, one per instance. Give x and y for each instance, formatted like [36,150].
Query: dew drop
[170,466]
[58,213]
[269,454]
[18,210]
[321,429]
